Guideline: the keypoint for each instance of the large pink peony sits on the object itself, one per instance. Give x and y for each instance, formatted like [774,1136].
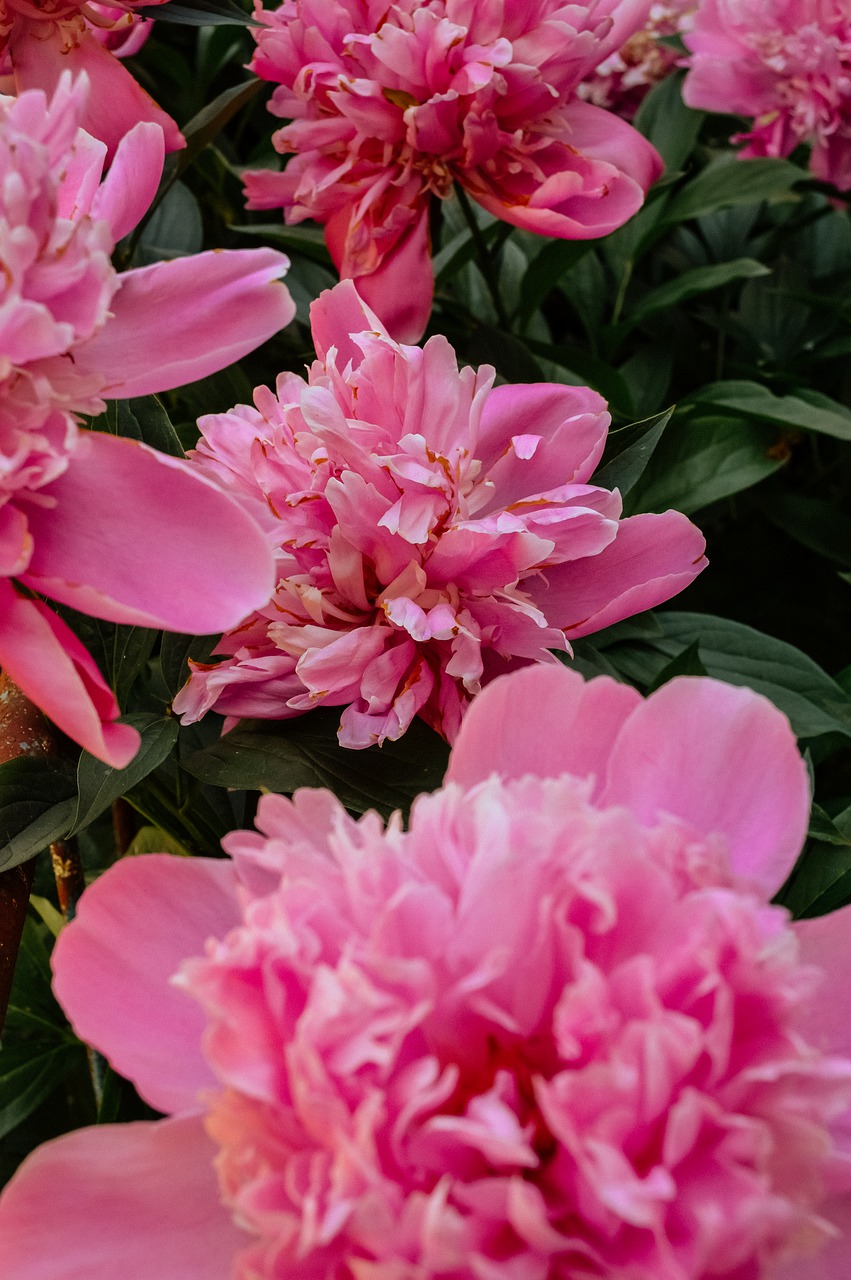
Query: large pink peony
[622,81]
[40,40]
[96,522]
[552,1031]
[787,63]
[430,529]
[391,104]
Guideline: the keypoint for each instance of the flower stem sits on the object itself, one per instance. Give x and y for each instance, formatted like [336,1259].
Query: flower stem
[485,259]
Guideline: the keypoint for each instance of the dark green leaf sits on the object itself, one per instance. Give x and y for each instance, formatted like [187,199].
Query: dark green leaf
[727,181]
[141,418]
[175,652]
[826,830]
[702,460]
[98,785]
[173,230]
[668,123]
[691,283]
[814,522]
[686,663]
[509,355]
[628,452]
[545,271]
[201,13]
[28,1075]
[309,241]
[36,806]
[283,756]
[807,411]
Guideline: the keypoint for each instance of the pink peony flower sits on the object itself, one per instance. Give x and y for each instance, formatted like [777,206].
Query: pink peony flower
[553,1030]
[430,531]
[788,64]
[622,81]
[93,521]
[392,104]
[40,40]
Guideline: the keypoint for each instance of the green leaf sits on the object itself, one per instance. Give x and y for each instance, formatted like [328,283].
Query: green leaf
[98,785]
[628,451]
[824,829]
[150,839]
[729,181]
[309,241]
[691,283]
[285,755]
[141,418]
[731,651]
[509,355]
[703,460]
[176,650]
[821,526]
[668,123]
[36,806]
[544,272]
[202,13]
[174,230]
[28,1075]
[807,411]
[206,125]
[686,663]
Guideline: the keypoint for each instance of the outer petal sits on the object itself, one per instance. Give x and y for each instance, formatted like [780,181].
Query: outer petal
[133,1200]
[336,314]
[143,538]
[725,760]
[48,663]
[652,558]
[117,102]
[401,289]
[175,322]
[826,942]
[543,720]
[134,926]
[133,178]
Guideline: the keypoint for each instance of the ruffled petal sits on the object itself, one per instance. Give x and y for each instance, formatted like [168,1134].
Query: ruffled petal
[334,315]
[49,664]
[131,184]
[543,720]
[177,321]
[134,927]
[136,1200]
[725,760]
[142,538]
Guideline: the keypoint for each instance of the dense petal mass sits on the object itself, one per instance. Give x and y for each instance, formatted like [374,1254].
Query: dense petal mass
[550,1029]
[137,1198]
[389,106]
[428,529]
[106,525]
[785,63]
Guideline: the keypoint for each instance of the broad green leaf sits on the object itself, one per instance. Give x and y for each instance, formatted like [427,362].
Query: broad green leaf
[628,451]
[98,785]
[201,13]
[141,418]
[702,460]
[154,840]
[509,355]
[545,271]
[687,663]
[174,230]
[308,240]
[668,123]
[285,755]
[821,881]
[28,1075]
[36,806]
[826,829]
[728,180]
[691,283]
[807,411]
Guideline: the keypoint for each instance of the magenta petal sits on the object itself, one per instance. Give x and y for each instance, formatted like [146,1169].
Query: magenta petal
[542,720]
[50,665]
[134,1200]
[143,538]
[175,322]
[334,315]
[40,53]
[723,759]
[401,289]
[131,184]
[652,558]
[134,926]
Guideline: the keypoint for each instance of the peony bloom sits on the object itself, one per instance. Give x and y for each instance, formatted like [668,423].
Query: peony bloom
[42,39]
[787,63]
[392,104]
[93,521]
[430,531]
[622,81]
[553,1030]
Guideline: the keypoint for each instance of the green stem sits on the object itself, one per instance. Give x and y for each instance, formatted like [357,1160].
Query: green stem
[485,259]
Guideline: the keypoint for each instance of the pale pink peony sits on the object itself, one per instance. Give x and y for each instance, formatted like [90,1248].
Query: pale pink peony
[552,1031]
[787,63]
[622,81]
[41,40]
[93,521]
[429,529]
[391,104]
